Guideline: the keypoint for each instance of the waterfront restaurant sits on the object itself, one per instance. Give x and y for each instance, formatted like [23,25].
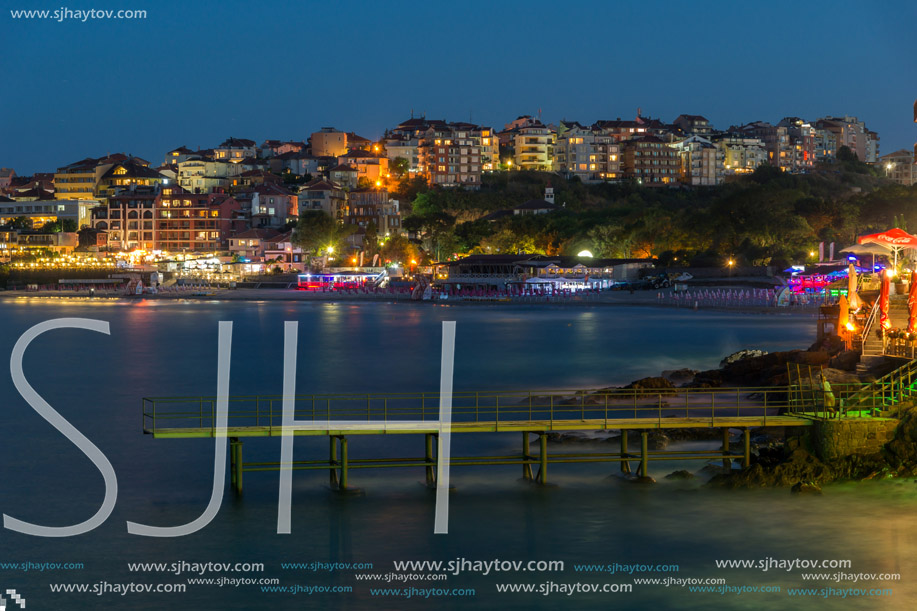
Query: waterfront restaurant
[336,281]
[527,272]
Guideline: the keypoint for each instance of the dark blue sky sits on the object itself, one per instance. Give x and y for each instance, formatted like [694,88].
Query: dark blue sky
[196,72]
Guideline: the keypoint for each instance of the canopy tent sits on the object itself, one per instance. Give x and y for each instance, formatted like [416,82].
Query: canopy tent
[894,240]
[867,249]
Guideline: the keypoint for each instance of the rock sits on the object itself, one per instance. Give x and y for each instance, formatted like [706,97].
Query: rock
[707,379]
[838,376]
[805,488]
[657,440]
[831,344]
[815,359]
[679,377]
[711,469]
[846,360]
[741,355]
[682,474]
[640,480]
[693,434]
[653,383]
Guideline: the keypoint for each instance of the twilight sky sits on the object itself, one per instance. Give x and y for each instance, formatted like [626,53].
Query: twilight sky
[196,72]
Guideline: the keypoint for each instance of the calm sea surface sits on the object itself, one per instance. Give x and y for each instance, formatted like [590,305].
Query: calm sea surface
[169,348]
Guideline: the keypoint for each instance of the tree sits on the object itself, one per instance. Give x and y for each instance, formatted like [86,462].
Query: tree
[399,249]
[846,154]
[20,223]
[371,239]
[399,166]
[317,233]
[434,230]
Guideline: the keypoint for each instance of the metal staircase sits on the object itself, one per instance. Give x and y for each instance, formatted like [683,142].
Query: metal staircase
[889,390]
[873,345]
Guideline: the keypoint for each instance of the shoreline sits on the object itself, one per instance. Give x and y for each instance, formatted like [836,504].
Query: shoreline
[605,299]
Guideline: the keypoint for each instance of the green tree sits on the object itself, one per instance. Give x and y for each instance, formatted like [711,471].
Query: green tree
[399,249]
[317,233]
[20,223]
[434,229]
[399,166]
[846,154]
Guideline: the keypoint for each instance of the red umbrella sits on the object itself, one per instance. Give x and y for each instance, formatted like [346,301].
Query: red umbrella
[895,240]
[912,304]
[883,301]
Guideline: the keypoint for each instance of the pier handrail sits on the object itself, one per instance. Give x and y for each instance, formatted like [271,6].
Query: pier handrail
[890,389]
[870,320]
[541,408]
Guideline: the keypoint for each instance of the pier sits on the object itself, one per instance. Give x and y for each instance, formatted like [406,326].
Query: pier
[532,415]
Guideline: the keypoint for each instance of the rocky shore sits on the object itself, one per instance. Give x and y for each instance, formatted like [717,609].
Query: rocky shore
[800,459]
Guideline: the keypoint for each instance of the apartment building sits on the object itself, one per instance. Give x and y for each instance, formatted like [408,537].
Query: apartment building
[852,133]
[374,206]
[198,175]
[185,222]
[776,141]
[651,161]
[235,150]
[533,147]
[900,167]
[450,156]
[741,154]
[701,162]
[325,195]
[586,153]
[328,142]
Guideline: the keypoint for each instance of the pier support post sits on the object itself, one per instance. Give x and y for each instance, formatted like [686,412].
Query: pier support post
[625,465]
[644,454]
[333,461]
[343,485]
[541,478]
[526,465]
[746,438]
[428,458]
[727,462]
[235,463]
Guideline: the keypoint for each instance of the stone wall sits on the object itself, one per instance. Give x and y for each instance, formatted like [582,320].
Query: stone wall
[833,439]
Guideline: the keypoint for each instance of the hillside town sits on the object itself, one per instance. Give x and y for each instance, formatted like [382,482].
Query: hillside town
[242,203]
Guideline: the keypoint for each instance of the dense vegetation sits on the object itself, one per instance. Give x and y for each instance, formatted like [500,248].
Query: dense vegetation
[764,218]
[768,217]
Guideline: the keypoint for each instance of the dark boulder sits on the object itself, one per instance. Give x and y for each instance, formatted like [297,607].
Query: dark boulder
[657,383]
[681,474]
[805,488]
[846,360]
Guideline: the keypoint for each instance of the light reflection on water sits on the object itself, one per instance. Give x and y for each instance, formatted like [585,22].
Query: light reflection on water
[160,348]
